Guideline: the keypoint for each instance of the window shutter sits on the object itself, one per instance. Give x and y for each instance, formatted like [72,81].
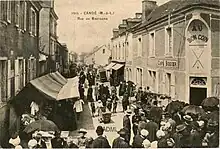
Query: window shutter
[24,71]
[9,80]
[16,76]
[173,85]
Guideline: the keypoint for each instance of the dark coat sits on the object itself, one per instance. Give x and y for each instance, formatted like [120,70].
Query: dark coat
[152,128]
[120,143]
[100,142]
[127,123]
[89,95]
[137,142]
[213,140]
[196,139]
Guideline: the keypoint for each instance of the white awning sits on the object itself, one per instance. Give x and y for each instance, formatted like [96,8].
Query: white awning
[42,57]
[117,66]
[110,66]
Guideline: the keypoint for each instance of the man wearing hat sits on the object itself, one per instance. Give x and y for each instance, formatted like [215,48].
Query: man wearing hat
[120,141]
[100,141]
[139,138]
[127,125]
[188,122]
[82,139]
[182,137]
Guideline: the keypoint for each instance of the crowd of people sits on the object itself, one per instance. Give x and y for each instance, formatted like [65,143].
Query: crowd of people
[151,124]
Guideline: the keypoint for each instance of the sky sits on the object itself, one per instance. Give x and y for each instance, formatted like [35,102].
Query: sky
[84,35]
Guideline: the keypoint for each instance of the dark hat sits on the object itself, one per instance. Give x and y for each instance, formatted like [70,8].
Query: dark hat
[122,131]
[128,112]
[180,128]
[99,130]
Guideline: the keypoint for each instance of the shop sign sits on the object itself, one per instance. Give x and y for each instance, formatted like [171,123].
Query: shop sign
[167,63]
[197,29]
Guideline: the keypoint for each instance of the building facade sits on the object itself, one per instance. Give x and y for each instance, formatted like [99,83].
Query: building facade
[61,57]
[99,56]
[19,31]
[176,49]
[48,37]
[122,47]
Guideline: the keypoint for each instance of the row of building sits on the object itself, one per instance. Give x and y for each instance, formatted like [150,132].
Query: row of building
[173,48]
[29,48]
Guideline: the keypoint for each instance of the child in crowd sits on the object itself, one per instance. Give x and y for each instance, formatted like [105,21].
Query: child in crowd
[99,108]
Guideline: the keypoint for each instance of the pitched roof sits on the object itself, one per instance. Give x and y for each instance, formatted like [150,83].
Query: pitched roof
[95,50]
[175,6]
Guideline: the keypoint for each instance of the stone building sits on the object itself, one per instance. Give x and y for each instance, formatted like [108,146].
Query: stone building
[122,45]
[48,37]
[99,56]
[19,31]
[61,57]
[177,48]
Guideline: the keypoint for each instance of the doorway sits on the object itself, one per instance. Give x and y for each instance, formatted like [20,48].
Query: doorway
[197,95]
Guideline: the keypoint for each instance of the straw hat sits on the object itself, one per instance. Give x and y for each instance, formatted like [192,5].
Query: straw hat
[160,134]
[188,118]
[144,132]
[32,143]
[146,143]
[82,130]
[180,128]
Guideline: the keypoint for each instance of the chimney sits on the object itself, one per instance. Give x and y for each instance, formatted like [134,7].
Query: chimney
[115,32]
[124,21]
[138,15]
[122,28]
[147,7]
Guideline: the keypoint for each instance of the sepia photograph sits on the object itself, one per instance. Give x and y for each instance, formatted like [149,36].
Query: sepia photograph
[109,74]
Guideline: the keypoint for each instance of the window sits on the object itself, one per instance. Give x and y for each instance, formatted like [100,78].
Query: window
[152,44]
[23,15]
[21,74]
[119,51]
[152,79]
[3,80]
[3,10]
[139,77]
[139,47]
[17,12]
[9,11]
[32,23]
[168,84]
[32,68]
[169,41]
[103,51]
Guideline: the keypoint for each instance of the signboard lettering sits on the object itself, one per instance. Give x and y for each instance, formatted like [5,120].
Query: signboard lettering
[167,63]
[198,37]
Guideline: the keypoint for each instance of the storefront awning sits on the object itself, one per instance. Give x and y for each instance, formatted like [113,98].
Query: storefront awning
[110,66]
[51,87]
[117,66]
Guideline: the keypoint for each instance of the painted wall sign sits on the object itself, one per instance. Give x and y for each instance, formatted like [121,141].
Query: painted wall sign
[167,63]
[197,40]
